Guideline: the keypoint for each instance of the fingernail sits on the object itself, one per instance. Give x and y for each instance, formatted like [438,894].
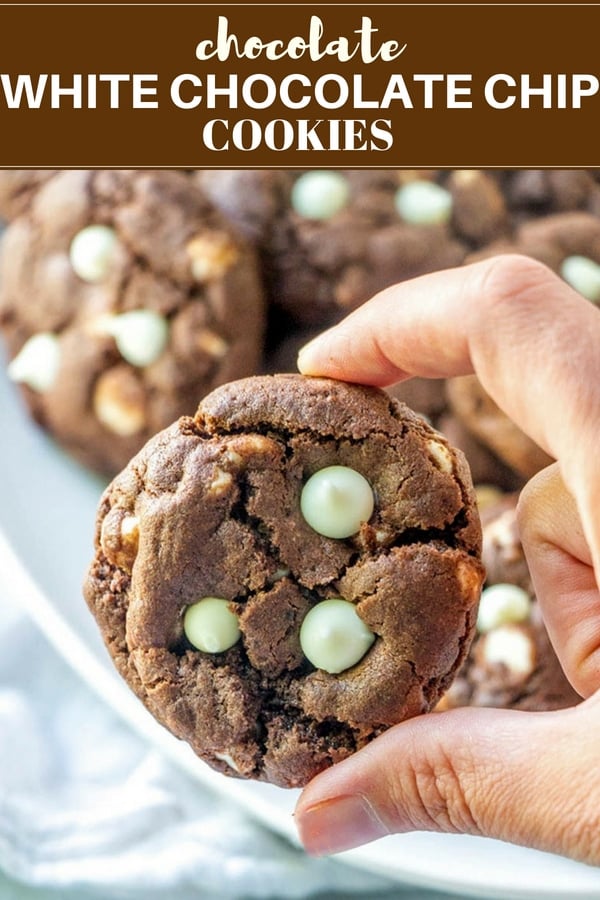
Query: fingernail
[307,356]
[339,823]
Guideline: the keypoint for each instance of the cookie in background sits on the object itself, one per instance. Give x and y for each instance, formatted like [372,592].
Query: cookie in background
[511,662]
[124,298]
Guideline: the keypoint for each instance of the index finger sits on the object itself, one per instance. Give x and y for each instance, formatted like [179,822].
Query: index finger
[531,339]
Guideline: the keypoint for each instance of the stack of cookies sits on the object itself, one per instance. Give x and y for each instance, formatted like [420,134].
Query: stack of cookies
[126,297]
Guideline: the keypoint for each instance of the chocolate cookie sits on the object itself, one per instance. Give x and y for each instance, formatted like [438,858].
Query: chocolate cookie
[287,574]
[531,193]
[492,427]
[502,552]
[511,662]
[568,243]
[425,396]
[332,239]
[17,187]
[124,298]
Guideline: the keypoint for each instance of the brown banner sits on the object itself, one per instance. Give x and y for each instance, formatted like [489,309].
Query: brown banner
[187,85]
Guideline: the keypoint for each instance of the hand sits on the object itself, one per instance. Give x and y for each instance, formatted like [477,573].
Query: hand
[529,778]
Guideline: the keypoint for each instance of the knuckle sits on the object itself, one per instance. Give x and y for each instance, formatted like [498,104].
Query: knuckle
[511,294]
[541,530]
[436,796]
[515,279]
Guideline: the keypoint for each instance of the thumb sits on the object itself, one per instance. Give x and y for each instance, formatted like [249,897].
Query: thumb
[529,778]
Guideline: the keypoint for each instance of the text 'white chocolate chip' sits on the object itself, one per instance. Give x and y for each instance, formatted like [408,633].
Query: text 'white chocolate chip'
[512,648]
[423,203]
[210,626]
[333,637]
[140,335]
[320,194]
[583,274]
[36,365]
[502,604]
[92,252]
[335,501]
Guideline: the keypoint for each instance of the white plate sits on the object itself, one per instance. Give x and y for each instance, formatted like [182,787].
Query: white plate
[47,512]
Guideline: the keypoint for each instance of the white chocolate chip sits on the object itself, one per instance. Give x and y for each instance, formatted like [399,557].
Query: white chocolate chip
[466,177]
[210,626]
[320,194]
[211,255]
[119,538]
[118,405]
[226,758]
[333,637]
[140,335]
[423,203]
[278,574]
[37,363]
[403,176]
[234,457]
[501,532]
[92,252]
[510,646]
[469,579]
[441,456]
[130,529]
[583,274]
[502,604]
[221,482]
[211,343]
[335,501]
[130,539]
[256,443]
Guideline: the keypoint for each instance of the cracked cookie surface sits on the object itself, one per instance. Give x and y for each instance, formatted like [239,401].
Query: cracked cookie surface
[211,508]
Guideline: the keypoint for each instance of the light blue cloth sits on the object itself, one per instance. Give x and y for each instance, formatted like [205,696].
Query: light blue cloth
[87,809]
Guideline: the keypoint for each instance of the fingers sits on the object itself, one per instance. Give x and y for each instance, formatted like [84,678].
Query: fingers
[560,565]
[531,339]
[529,778]
[509,319]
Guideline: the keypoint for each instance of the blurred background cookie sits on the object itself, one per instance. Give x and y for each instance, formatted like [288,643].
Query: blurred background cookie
[568,243]
[511,662]
[124,298]
[331,239]
[492,428]
[540,192]
[17,187]
[486,466]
